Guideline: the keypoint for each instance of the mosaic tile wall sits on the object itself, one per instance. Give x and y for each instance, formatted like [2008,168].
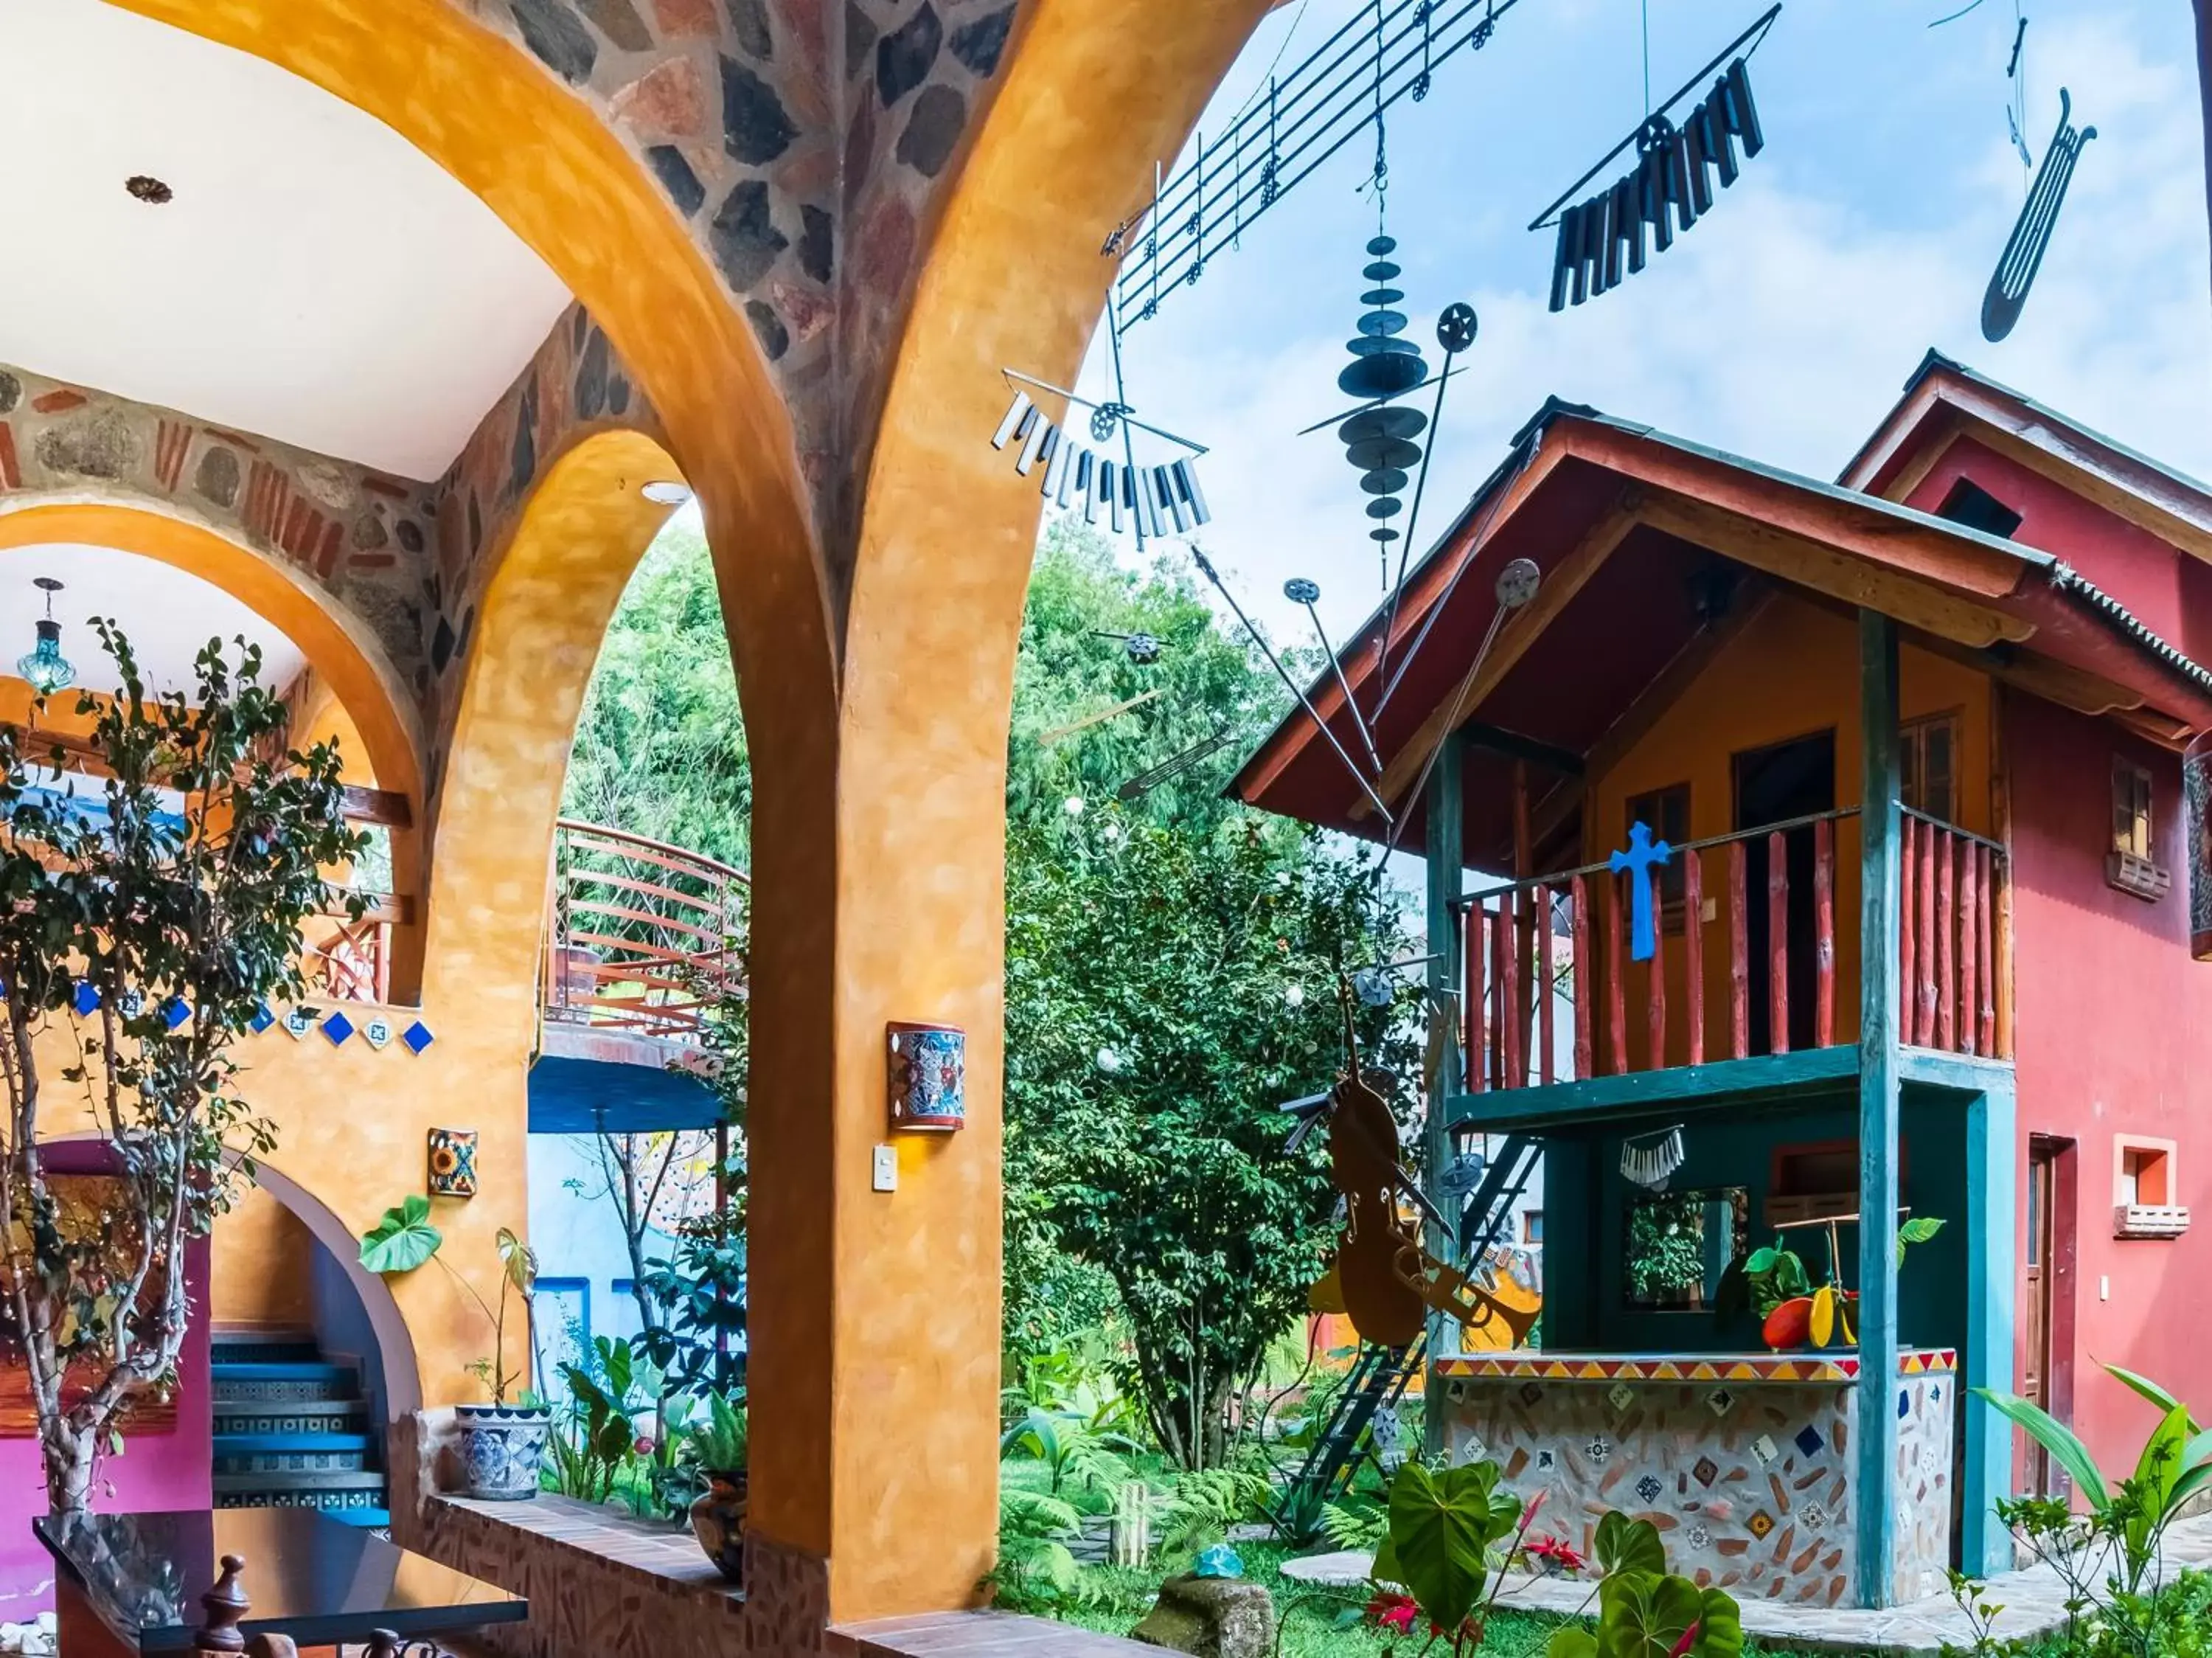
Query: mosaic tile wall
[1926,1412]
[1751,1484]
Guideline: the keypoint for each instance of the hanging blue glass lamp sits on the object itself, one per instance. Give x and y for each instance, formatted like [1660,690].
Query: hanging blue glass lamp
[44,667]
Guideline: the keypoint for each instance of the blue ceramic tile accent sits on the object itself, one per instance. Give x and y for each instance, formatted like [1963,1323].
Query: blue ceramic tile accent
[1809,1442]
[337,1027]
[1904,1404]
[175,1011]
[417,1037]
[86,999]
[262,1020]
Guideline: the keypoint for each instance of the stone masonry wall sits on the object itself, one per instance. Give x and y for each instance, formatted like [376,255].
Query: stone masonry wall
[361,535]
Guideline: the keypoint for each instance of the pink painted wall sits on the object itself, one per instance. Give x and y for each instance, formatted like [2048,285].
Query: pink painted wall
[155,1471]
[2114,1032]
[2142,572]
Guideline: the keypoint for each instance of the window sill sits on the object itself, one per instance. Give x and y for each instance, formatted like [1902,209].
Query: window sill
[2163,1221]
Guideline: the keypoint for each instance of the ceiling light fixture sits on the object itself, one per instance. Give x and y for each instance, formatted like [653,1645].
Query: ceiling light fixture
[666,493]
[44,667]
[148,189]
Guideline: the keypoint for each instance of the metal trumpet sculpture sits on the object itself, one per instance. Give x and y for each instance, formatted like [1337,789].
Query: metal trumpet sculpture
[2039,217]
[1157,500]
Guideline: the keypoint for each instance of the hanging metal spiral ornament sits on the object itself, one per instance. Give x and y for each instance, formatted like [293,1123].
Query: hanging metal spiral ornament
[1381,442]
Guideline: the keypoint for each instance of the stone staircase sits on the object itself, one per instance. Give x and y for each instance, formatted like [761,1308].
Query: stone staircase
[292,1430]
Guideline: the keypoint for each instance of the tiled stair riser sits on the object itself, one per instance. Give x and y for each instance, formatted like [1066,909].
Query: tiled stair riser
[340,1415]
[291,1430]
[290,1462]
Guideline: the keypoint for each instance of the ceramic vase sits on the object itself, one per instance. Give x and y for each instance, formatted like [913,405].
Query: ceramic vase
[718,1520]
[501,1448]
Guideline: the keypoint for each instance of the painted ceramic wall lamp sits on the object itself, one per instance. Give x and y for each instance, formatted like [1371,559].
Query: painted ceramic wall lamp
[928,1076]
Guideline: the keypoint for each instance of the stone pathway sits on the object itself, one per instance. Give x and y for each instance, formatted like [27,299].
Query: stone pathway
[2033,1601]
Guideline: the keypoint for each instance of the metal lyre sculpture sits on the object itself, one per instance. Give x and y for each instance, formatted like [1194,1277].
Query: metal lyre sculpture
[1643,856]
[1157,500]
[1601,241]
[2038,217]
[1385,51]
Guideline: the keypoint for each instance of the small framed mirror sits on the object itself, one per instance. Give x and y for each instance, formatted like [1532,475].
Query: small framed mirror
[1677,1246]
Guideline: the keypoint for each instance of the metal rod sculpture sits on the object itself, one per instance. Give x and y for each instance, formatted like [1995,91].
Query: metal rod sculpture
[1601,241]
[2038,217]
[1304,117]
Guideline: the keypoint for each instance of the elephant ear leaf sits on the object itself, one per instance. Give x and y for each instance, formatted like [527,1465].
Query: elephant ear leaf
[1439,1531]
[1720,1630]
[1571,1643]
[1649,1617]
[402,1240]
[1629,1545]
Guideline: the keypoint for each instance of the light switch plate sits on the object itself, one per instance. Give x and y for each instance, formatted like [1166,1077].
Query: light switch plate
[885,1175]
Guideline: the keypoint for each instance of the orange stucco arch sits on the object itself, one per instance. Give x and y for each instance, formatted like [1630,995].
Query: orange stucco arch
[339,645]
[554,589]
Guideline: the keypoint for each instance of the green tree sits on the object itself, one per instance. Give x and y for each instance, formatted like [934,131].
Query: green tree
[1166,991]
[146,918]
[660,746]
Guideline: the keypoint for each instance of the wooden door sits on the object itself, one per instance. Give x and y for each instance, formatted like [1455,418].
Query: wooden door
[2047,1299]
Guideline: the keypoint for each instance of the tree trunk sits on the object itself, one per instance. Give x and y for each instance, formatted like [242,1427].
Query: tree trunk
[69,1454]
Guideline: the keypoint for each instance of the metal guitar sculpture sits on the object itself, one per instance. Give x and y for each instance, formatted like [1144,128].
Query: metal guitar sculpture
[1386,1280]
[2038,217]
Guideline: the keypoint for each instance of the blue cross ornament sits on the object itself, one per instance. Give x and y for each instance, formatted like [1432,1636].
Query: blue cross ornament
[1643,857]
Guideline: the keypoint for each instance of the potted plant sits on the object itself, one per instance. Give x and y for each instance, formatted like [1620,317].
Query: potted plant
[502,1445]
[1793,1312]
[718,1513]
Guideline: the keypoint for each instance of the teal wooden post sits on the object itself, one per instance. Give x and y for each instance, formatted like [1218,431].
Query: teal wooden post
[1879,826]
[1445,849]
[1992,1176]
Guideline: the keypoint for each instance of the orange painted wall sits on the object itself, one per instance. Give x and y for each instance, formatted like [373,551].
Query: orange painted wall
[261,1272]
[1791,672]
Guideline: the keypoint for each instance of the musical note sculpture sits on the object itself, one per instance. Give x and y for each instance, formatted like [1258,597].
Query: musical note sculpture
[2038,217]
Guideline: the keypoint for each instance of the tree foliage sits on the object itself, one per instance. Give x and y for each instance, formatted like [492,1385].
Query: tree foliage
[153,911]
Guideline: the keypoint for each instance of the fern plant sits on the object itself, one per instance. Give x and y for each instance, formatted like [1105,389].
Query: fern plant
[1355,1525]
[1205,1505]
[1036,1571]
[1077,1456]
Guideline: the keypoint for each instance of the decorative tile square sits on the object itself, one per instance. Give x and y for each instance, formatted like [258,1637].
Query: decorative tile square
[377,1032]
[1545,1462]
[175,1011]
[1531,1392]
[1706,1472]
[417,1037]
[337,1027]
[1720,1401]
[1649,1488]
[262,1020]
[1814,1516]
[928,1076]
[298,1022]
[1598,1449]
[1696,1536]
[1622,1397]
[86,999]
[1455,1391]
[453,1169]
[1759,1524]
[1809,1443]
[1764,1449]
[1934,1392]
[131,1002]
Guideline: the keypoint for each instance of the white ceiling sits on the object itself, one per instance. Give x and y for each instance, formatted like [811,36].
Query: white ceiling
[314,279]
[167,614]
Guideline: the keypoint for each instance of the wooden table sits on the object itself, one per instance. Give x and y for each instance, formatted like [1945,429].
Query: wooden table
[132,1585]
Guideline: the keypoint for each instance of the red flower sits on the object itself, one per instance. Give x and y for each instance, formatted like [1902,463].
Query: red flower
[644,1446]
[1393,1611]
[1557,1552]
[1689,1639]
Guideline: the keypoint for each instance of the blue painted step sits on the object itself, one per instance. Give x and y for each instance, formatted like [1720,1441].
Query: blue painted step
[329,1416]
[273,1348]
[285,1380]
[373,1518]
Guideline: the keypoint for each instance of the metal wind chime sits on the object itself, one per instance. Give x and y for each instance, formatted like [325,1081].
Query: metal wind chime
[1157,500]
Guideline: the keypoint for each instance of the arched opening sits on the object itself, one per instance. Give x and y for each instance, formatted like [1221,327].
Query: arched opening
[336,679]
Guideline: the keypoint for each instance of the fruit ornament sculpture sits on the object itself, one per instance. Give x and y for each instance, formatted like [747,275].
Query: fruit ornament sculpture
[1796,1313]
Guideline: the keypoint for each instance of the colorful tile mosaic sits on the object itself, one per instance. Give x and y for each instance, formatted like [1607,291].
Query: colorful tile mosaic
[1622,1397]
[452,1163]
[1760,1525]
[1721,1367]
[1649,1488]
[1764,1449]
[1720,1401]
[1809,1440]
[1706,1472]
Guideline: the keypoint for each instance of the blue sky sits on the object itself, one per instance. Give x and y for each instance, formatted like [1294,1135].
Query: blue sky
[1781,328]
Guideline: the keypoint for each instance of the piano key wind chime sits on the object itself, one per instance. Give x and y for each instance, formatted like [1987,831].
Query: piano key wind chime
[1670,187]
[1155,500]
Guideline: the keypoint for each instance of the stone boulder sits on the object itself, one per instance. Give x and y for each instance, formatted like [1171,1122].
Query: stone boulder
[1211,1617]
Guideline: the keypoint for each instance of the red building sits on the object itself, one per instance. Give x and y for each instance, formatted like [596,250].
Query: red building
[1921,943]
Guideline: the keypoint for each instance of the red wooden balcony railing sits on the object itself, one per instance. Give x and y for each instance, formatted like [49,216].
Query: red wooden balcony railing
[638,933]
[1549,958]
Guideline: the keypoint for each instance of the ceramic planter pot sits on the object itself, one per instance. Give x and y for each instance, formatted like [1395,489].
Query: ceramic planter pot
[718,1520]
[502,1448]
